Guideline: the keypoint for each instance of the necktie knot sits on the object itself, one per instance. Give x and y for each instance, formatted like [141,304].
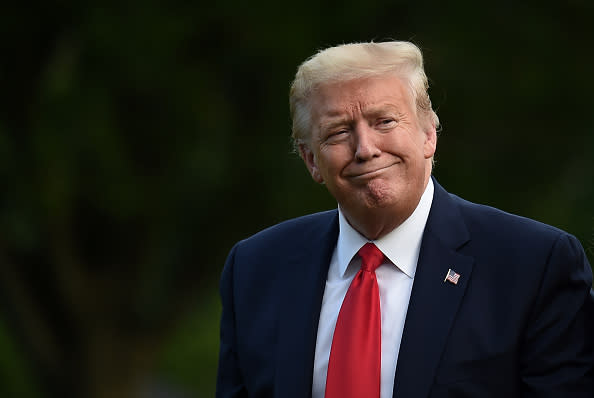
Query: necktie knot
[371,257]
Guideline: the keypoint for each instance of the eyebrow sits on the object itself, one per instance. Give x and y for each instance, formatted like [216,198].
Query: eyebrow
[337,118]
[380,109]
[334,122]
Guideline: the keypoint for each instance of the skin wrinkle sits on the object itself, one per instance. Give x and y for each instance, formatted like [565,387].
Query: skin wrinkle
[371,113]
[371,150]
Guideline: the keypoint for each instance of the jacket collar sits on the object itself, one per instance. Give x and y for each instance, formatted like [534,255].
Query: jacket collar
[431,311]
[433,302]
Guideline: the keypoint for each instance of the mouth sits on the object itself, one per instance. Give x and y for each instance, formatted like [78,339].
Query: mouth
[369,173]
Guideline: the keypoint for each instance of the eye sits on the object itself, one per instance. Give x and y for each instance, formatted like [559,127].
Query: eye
[387,122]
[336,136]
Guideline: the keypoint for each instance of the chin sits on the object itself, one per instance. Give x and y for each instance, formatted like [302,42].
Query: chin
[378,194]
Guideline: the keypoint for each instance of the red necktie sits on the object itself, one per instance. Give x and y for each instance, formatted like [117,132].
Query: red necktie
[355,357]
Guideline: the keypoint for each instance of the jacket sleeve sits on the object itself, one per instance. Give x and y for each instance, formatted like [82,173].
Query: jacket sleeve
[229,378]
[557,352]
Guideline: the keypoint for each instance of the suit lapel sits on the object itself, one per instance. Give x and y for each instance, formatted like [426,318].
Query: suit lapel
[301,304]
[431,312]
[433,302]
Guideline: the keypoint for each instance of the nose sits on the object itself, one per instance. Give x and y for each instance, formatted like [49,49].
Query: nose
[365,141]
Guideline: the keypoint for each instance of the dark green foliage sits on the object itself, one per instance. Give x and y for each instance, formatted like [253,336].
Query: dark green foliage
[139,141]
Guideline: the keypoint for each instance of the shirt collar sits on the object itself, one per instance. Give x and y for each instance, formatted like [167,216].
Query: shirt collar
[401,245]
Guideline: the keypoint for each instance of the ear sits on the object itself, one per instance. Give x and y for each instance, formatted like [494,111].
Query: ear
[430,144]
[310,162]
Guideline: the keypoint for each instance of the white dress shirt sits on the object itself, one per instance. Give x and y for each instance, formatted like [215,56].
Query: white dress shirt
[394,277]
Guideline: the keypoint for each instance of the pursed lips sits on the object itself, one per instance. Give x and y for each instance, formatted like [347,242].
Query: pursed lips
[369,173]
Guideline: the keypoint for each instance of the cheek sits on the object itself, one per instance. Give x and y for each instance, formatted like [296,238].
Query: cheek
[333,159]
[418,145]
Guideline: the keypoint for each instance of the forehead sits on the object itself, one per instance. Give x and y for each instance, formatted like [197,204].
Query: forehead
[361,95]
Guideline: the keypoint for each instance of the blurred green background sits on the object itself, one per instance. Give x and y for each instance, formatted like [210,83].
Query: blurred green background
[140,140]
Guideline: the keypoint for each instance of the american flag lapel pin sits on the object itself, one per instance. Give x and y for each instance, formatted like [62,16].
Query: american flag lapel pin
[452,277]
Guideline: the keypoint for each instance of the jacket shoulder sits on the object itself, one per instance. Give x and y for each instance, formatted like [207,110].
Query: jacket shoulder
[283,233]
[490,220]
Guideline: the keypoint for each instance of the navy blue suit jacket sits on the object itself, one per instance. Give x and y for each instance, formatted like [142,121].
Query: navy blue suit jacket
[515,325]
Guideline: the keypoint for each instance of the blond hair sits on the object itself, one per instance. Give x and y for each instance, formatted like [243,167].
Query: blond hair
[355,61]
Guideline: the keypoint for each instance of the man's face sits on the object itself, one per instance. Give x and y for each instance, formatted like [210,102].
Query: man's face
[368,145]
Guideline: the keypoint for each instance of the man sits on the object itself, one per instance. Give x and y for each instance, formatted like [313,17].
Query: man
[405,290]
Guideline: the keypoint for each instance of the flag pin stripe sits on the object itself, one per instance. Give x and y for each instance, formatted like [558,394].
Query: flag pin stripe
[452,277]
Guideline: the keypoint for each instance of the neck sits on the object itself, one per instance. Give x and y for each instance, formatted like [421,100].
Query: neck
[374,224]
